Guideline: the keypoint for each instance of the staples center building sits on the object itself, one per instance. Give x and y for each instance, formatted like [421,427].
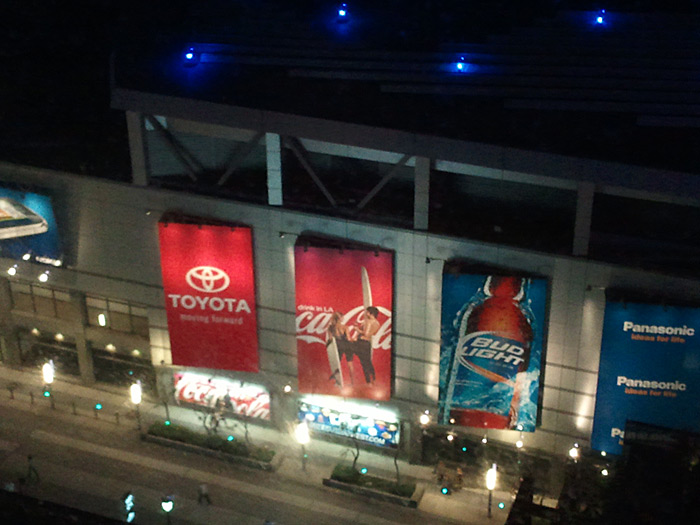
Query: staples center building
[382,272]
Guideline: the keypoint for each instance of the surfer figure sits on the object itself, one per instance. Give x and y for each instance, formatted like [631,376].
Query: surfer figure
[338,344]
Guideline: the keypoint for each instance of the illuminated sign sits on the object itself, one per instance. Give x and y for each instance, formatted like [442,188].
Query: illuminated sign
[209,288]
[245,399]
[28,226]
[491,352]
[343,321]
[649,371]
[380,428]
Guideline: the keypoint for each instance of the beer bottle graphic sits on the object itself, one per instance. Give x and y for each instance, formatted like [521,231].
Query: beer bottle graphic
[486,375]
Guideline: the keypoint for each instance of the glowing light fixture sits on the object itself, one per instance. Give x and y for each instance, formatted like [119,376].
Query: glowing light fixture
[424,418]
[12,270]
[604,472]
[136,393]
[343,11]
[35,332]
[484,439]
[110,347]
[603,453]
[102,319]
[43,277]
[191,57]
[287,389]
[26,256]
[59,337]
[47,372]
[574,452]
[301,433]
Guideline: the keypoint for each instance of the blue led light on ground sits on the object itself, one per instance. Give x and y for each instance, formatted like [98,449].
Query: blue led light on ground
[445,490]
[98,406]
[501,505]
[230,438]
[167,423]
[363,470]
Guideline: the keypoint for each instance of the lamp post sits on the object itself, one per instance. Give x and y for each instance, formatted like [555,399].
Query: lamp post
[302,434]
[491,484]
[167,505]
[135,391]
[47,371]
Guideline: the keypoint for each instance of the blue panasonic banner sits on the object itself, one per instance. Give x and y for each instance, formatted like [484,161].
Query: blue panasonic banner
[28,226]
[649,371]
[491,353]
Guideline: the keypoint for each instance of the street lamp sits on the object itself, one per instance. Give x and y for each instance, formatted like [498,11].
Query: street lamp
[302,434]
[491,484]
[167,505]
[47,371]
[574,452]
[135,391]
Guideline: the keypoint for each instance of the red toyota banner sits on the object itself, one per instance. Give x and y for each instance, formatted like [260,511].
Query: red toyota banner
[343,321]
[210,295]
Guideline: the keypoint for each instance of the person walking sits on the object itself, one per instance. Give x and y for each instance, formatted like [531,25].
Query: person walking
[203,494]
[32,472]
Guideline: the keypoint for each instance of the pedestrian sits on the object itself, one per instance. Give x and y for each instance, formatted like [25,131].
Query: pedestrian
[32,473]
[203,494]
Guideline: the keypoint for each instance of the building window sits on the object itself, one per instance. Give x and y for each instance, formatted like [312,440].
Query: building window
[42,301]
[117,315]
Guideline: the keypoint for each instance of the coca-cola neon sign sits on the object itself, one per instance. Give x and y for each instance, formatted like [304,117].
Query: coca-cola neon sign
[245,399]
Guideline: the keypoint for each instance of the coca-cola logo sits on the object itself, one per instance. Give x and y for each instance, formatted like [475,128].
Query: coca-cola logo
[247,400]
[311,326]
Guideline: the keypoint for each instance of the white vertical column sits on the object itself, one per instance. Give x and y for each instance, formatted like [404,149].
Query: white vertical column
[8,337]
[137,148]
[584,212]
[421,197]
[85,361]
[274,169]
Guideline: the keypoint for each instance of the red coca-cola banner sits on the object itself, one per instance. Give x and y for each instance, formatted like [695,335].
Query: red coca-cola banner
[343,321]
[210,295]
[242,398]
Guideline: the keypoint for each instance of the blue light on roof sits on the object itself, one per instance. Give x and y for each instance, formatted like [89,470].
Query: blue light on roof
[600,20]
[461,66]
[191,57]
[343,12]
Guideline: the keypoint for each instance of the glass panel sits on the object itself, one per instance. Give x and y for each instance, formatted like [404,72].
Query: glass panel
[119,321]
[115,306]
[61,296]
[42,292]
[140,326]
[23,302]
[66,310]
[93,314]
[97,303]
[44,306]
[19,287]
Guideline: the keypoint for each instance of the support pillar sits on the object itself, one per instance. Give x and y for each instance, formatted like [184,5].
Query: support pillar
[137,148]
[421,198]
[584,212]
[9,345]
[85,361]
[273,147]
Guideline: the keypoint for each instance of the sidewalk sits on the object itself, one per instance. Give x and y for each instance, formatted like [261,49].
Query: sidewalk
[464,506]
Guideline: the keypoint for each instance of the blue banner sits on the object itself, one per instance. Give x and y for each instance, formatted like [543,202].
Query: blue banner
[28,226]
[382,433]
[491,353]
[649,371]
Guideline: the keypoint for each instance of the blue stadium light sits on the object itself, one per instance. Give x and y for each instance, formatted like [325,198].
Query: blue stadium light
[343,13]
[191,57]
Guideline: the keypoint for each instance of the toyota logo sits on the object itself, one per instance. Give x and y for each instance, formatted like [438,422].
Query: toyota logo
[207,279]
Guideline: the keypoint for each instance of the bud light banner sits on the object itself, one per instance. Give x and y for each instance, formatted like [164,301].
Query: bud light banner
[343,321]
[210,295]
[491,353]
[239,397]
[28,226]
[649,371]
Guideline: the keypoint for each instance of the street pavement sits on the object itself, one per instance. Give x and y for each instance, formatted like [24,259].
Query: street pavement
[88,459]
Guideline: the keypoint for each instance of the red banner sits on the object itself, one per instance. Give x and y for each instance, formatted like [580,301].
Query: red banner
[210,295]
[343,321]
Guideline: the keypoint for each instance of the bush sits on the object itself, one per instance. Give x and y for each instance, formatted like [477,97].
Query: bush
[212,442]
[348,474]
